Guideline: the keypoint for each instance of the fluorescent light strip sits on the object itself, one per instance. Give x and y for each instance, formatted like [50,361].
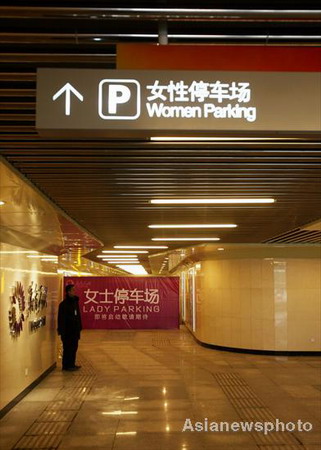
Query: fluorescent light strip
[195,226]
[211,138]
[186,239]
[134,270]
[120,259]
[117,261]
[210,201]
[124,251]
[123,262]
[141,246]
[48,259]
[124,258]
[43,256]
[120,256]
[117,256]
[126,433]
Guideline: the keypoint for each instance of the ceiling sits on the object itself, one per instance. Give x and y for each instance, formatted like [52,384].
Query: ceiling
[106,185]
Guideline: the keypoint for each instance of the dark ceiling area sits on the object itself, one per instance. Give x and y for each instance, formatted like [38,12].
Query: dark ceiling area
[106,185]
[75,27]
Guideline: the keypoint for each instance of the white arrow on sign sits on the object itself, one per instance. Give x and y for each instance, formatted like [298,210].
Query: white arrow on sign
[68,89]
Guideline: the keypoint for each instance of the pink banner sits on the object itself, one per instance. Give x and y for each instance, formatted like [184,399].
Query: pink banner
[127,302]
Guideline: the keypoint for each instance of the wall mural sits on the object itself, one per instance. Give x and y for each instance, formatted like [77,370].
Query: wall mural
[20,309]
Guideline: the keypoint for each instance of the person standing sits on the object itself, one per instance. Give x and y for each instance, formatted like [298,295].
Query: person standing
[69,328]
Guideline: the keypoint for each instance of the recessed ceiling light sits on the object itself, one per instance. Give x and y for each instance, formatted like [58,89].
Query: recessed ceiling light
[227,225]
[209,201]
[186,239]
[2,203]
[124,251]
[97,39]
[141,246]
[220,249]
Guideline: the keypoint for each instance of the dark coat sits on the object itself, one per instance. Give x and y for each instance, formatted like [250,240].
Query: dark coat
[69,319]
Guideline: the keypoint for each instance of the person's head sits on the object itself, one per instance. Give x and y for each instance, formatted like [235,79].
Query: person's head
[70,290]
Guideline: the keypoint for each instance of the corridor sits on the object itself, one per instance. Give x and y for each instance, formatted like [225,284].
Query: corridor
[136,389]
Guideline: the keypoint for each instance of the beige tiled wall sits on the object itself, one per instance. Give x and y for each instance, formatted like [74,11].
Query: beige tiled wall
[263,304]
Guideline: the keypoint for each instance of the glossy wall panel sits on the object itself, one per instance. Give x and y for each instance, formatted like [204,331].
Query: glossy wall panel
[28,223]
[25,356]
[31,228]
[27,218]
[259,303]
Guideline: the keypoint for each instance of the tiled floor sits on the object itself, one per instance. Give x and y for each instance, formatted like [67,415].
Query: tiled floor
[136,389]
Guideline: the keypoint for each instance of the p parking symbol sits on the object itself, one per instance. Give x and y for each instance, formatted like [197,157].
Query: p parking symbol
[119,99]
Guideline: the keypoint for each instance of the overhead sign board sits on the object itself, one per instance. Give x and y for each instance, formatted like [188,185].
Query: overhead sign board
[97,102]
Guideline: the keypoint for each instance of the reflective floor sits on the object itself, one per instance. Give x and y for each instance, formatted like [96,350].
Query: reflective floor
[136,389]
